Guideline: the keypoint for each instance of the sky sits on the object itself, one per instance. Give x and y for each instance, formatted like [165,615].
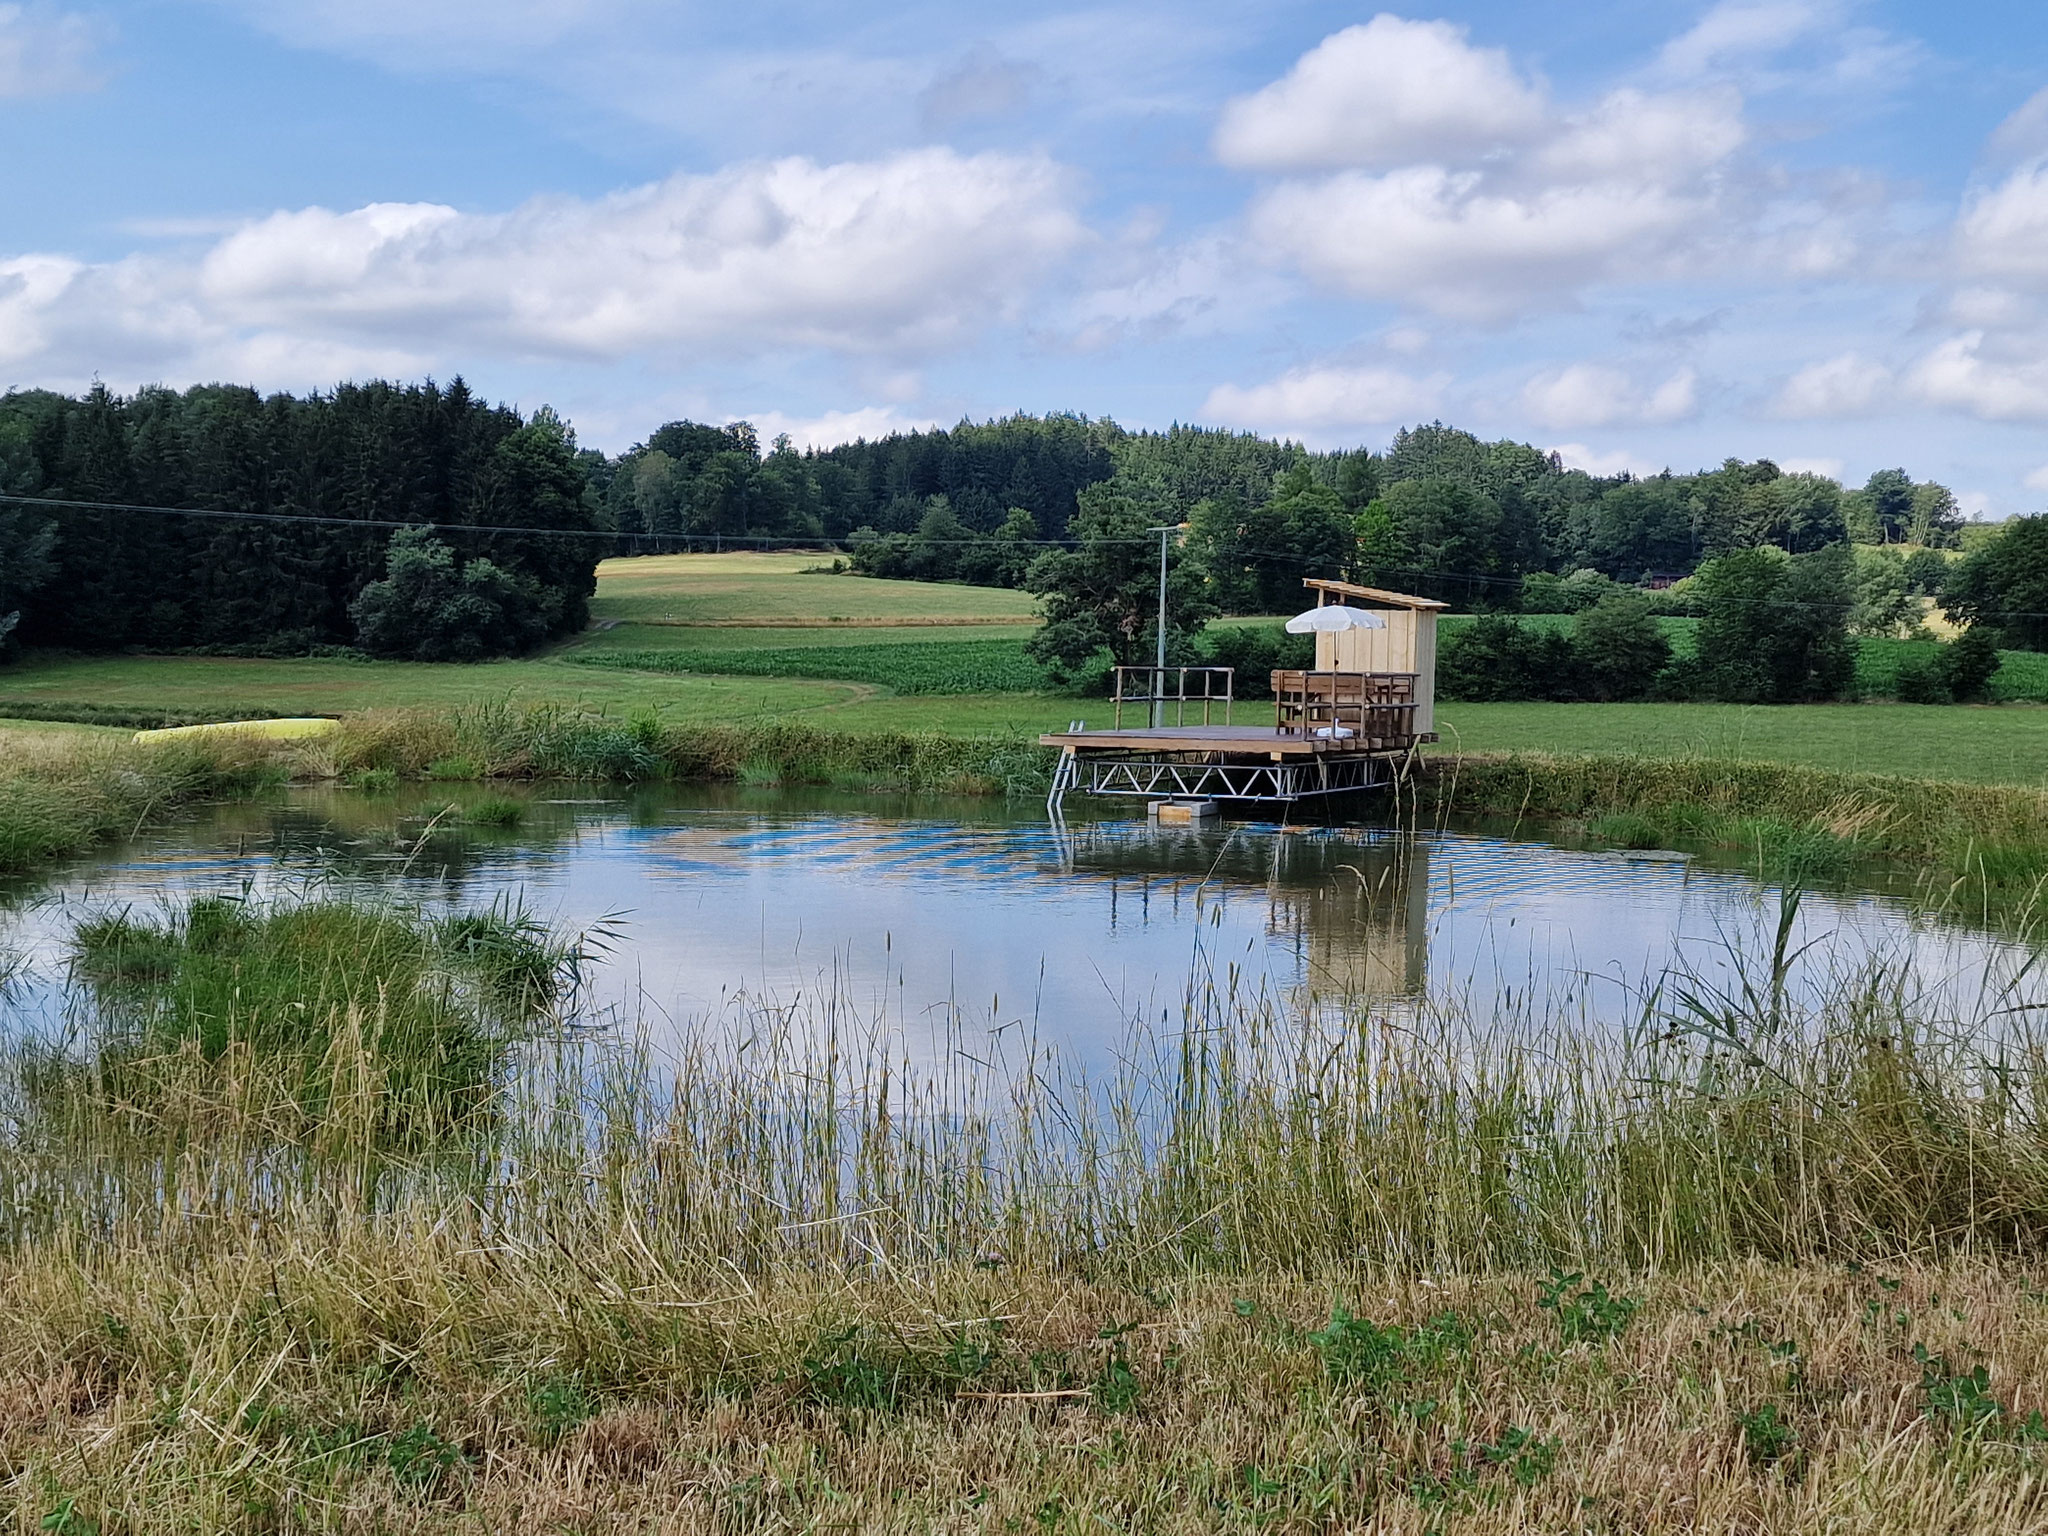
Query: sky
[1642,235]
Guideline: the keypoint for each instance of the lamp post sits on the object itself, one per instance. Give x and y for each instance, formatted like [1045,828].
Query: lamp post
[1159,665]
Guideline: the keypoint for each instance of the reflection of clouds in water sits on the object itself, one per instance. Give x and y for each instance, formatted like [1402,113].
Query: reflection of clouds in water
[1075,933]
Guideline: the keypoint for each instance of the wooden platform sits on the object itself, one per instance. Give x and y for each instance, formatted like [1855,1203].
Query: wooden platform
[1235,740]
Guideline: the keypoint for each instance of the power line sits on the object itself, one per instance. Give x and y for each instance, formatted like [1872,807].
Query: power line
[222,514]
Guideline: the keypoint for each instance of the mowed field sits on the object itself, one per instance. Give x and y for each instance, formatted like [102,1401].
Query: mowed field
[748,637]
[753,589]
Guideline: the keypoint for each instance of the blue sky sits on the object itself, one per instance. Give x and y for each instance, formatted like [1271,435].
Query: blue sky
[1815,230]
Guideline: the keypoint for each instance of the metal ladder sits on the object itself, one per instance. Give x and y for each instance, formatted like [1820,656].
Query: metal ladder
[1063,774]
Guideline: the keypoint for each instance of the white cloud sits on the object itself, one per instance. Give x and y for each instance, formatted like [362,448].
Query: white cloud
[1997,387]
[1307,401]
[1635,136]
[1848,385]
[1384,93]
[1594,462]
[1594,395]
[1445,241]
[2036,479]
[835,427]
[2024,134]
[910,253]
[1477,198]
[1827,469]
[1738,31]
[2003,231]
[1142,289]
[48,53]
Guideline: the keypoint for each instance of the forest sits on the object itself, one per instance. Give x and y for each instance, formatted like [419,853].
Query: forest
[418,520]
[306,498]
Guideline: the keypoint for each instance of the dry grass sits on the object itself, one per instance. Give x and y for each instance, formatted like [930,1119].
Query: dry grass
[417,1383]
[63,791]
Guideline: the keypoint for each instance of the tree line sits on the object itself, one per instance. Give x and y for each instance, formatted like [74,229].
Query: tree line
[333,492]
[317,533]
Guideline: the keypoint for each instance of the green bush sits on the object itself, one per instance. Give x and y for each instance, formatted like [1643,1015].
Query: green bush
[432,607]
[1496,658]
[1967,665]
[1618,648]
[1920,681]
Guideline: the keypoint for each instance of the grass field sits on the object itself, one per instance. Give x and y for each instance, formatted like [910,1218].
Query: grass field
[750,588]
[761,640]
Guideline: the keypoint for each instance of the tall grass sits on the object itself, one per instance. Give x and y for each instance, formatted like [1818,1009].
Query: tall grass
[501,741]
[1979,847]
[62,794]
[1450,1263]
[1732,1122]
[324,1003]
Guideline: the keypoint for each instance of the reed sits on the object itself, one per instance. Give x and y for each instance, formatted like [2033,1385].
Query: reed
[59,795]
[1980,847]
[1428,1265]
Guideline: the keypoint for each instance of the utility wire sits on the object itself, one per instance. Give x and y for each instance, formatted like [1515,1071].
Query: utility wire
[222,514]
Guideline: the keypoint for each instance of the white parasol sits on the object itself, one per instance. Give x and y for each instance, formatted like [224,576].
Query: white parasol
[1333,619]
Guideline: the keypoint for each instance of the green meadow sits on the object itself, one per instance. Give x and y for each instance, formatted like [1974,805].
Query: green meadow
[750,637]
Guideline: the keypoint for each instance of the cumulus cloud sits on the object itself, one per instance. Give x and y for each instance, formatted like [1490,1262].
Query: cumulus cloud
[2003,227]
[1306,401]
[1381,94]
[1848,385]
[1991,366]
[1594,395]
[48,53]
[2036,479]
[1827,469]
[1466,190]
[1968,374]
[835,427]
[905,254]
[1593,461]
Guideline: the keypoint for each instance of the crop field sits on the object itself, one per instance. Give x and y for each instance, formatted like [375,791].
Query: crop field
[684,639]
[950,666]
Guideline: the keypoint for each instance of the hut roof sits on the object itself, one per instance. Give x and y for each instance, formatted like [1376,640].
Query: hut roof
[1325,589]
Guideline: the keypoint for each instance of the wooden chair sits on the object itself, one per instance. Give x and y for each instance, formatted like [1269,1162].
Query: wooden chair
[1368,709]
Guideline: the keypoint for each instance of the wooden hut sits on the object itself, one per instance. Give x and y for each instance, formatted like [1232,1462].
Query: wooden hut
[1346,724]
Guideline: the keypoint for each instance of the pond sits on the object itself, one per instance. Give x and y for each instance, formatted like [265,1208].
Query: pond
[920,913]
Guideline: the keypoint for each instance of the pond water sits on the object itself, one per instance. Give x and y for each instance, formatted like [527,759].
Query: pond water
[918,911]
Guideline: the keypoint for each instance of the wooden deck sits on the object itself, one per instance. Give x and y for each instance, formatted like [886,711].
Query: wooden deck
[1235,740]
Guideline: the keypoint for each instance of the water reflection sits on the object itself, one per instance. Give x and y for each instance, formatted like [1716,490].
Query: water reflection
[915,913]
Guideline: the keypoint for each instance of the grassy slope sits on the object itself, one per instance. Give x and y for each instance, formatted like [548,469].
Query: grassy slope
[763,589]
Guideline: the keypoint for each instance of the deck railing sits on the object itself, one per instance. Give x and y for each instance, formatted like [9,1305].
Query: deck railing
[1177,688]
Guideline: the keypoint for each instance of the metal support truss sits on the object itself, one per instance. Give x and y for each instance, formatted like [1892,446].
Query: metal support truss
[1163,778]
